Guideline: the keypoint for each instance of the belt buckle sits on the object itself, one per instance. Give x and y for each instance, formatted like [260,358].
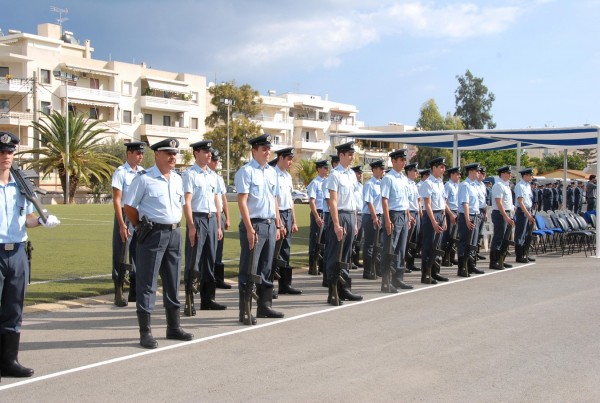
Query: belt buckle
[209,215]
[173,226]
[9,246]
[268,221]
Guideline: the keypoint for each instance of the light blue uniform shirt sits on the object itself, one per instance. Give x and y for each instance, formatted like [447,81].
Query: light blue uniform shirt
[468,193]
[260,184]
[372,194]
[419,186]
[221,189]
[14,208]
[451,189]
[155,197]
[315,191]
[523,189]
[122,178]
[358,196]
[203,185]
[284,194]
[394,187]
[413,196]
[325,192]
[433,189]
[482,193]
[343,181]
[501,190]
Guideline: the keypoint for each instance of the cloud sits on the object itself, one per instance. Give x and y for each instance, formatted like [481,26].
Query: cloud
[322,38]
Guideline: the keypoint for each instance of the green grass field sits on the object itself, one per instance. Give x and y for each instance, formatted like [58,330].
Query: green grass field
[78,252]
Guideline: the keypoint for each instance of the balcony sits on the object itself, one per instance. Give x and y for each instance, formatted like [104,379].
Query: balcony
[165,104]
[93,97]
[20,85]
[311,146]
[277,123]
[16,118]
[311,123]
[165,131]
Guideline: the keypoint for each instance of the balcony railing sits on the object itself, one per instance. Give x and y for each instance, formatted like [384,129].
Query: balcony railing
[167,131]
[165,104]
[15,84]
[311,145]
[15,118]
[91,95]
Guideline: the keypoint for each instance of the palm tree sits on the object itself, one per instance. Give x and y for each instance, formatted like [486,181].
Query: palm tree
[86,159]
[306,171]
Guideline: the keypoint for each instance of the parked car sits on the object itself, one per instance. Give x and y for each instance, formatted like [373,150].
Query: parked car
[299,197]
[231,194]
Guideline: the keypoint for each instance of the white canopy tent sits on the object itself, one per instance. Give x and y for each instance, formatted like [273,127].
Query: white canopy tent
[496,139]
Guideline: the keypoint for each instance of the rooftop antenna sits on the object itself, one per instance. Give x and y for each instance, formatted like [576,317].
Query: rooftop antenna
[60,12]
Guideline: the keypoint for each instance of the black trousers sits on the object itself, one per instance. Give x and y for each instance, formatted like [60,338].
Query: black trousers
[346,220]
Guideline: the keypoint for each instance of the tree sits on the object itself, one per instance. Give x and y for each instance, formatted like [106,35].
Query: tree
[245,107]
[474,102]
[589,155]
[552,162]
[86,161]
[306,171]
[493,159]
[430,118]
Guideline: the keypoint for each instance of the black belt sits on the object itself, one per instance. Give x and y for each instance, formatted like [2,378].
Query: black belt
[482,210]
[470,214]
[398,212]
[10,246]
[319,210]
[437,211]
[346,211]
[285,211]
[165,226]
[262,220]
[197,214]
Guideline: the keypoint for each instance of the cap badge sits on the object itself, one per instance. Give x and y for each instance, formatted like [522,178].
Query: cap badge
[173,143]
[5,139]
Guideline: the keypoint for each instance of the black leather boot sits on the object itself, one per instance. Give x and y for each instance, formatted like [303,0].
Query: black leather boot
[265,303]
[146,339]
[398,280]
[346,294]
[9,357]
[241,319]
[520,255]
[446,259]
[285,282]
[436,273]
[132,293]
[462,267]
[174,330]
[220,277]
[494,263]
[207,297]
[472,268]
[453,257]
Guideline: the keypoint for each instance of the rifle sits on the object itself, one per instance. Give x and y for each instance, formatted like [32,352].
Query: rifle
[376,258]
[337,274]
[278,262]
[473,249]
[506,242]
[431,261]
[412,246]
[27,188]
[28,251]
[191,285]
[124,266]
[392,259]
[320,248]
[529,235]
[249,289]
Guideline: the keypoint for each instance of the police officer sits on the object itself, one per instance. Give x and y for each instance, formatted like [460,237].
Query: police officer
[16,215]
[424,174]
[432,193]
[341,185]
[203,227]
[358,195]
[287,214]
[591,193]
[468,217]
[122,234]
[482,189]
[397,219]
[315,197]
[213,164]
[523,217]
[156,196]
[372,218]
[570,197]
[416,212]
[260,226]
[501,217]
[555,196]
[578,197]
[548,197]
[335,161]
[451,191]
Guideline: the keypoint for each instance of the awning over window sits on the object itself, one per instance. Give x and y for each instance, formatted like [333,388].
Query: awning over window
[89,70]
[177,87]
[91,103]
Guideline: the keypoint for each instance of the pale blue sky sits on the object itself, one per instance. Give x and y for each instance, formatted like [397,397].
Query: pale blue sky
[539,57]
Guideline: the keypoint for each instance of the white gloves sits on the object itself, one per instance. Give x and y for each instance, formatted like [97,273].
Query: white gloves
[51,222]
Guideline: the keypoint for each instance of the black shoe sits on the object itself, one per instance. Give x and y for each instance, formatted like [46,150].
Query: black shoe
[531,259]
[329,301]
[211,306]
[288,289]
[369,276]
[347,295]
[146,339]
[521,259]
[437,277]
[480,256]
[508,265]
[463,273]
[9,361]
[266,312]
[179,334]
[174,330]
[407,270]
[475,270]
[428,280]
[223,285]
[389,289]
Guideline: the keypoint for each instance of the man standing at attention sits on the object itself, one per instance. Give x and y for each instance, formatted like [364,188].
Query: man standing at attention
[372,216]
[315,196]
[154,206]
[122,234]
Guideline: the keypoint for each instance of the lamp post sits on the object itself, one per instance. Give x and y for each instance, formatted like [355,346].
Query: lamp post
[65,78]
[229,103]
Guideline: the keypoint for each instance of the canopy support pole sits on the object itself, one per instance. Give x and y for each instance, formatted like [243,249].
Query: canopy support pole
[455,156]
[519,152]
[597,176]
[564,185]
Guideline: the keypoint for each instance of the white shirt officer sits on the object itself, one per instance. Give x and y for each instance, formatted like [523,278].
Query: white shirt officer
[394,187]
[260,183]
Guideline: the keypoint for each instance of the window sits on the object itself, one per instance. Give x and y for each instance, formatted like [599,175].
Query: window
[46,107]
[195,97]
[166,121]
[45,76]
[4,71]
[126,88]
[94,83]
[94,113]
[276,140]
[147,118]
[127,117]
[72,109]
[194,123]
[4,105]
[307,136]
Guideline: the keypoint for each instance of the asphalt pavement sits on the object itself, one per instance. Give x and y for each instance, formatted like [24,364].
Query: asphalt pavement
[527,334]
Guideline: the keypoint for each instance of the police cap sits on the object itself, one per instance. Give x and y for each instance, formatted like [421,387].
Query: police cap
[357,169]
[273,162]
[377,164]
[399,154]
[504,169]
[481,169]
[346,147]
[334,158]
[322,163]
[169,145]
[284,152]
[202,145]
[424,172]
[437,161]
[8,141]
[135,146]
[413,166]
[472,166]
[453,170]
[264,140]
[216,155]
[526,171]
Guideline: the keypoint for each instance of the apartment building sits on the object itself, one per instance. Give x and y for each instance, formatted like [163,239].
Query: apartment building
[132,101]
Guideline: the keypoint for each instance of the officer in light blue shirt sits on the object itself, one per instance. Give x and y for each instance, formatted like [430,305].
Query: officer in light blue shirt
[16,215]
[468,217]
[358,195]
[416,212]
[483,196]
[203,229]
[451,191]
[335,161]
[157,195]
[397,218]
[502,206]
[341,184]
[372,218]
[523,217]
[260,226]
[123,234]
[316,201]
